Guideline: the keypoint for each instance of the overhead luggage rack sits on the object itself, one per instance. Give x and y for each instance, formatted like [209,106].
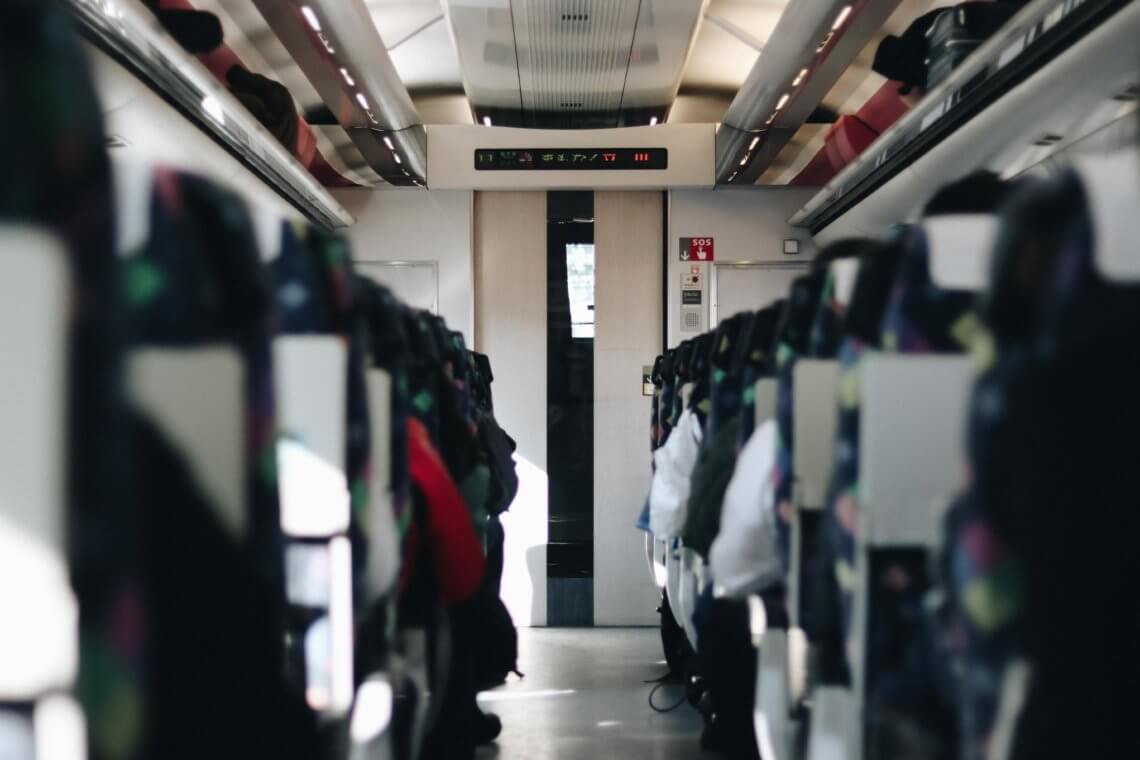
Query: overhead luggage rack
[1027,44]
[131,35]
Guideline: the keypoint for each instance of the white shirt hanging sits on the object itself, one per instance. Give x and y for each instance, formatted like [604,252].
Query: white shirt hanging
[669,494]
[744,557]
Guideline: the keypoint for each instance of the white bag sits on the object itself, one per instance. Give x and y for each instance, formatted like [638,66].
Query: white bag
[674,462]
[744,557]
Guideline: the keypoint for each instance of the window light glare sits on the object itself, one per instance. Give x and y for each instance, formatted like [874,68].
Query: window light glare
[754,143]
[744,161]
[373,710]
[388,142]
[311,16]
[771,119]
[652,121]
[800,77]
[843,14]
[396,156]
[347,78]
[486,121]
[340,625]
[60,730]
[362,101]
[783,101]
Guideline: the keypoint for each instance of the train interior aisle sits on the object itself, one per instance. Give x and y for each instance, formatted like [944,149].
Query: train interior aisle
[569,379]
[585,696]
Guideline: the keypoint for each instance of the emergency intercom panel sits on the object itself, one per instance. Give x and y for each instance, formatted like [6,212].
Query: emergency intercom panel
[692,300]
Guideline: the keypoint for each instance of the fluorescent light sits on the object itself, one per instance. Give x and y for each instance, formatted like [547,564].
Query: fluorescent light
[486,121]
[311,17]
[652,121]
[799,77]
[771,118]
[362,101]
[388,142]
[396,156]
[213,108]
[744,161]
[348,78]
[754,143]
[783,101]
[843,14]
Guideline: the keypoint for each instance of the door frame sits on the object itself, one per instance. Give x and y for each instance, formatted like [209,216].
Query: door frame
[433,264]
[718,266]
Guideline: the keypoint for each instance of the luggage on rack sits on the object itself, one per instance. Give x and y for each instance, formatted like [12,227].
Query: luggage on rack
[957,32]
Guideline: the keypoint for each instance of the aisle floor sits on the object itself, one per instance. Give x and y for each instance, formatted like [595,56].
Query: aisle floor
[584,698]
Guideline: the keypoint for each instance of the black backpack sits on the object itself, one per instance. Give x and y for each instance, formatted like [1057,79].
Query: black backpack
[496,640]
[498,447]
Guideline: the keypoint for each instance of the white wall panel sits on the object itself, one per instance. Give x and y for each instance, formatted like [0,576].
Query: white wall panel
[747,225]
[420,225]
[627,234]
[510,327]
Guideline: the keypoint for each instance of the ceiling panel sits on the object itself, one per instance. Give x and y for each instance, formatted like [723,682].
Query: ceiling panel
[485,40]
[573,54]
[426,61]
[719,63]
[573,63]
[446,108]
[729,42]
[398,20]
[419,43]
[699,108]
[665,33]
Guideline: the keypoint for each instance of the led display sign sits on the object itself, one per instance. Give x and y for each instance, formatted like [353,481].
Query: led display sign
[571,159]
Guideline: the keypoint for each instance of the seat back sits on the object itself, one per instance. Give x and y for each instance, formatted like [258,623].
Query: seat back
[39,638]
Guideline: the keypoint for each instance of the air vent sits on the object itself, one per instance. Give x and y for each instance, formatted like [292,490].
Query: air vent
[570,106]
[576,17]
[1048,139]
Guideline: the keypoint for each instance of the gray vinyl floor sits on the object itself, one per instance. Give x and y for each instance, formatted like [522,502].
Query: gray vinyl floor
[584,698]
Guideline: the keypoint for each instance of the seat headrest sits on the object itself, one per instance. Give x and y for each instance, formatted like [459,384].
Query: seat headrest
[1112,185]
[846,271]
[270,230]
[961,248]
[133,185]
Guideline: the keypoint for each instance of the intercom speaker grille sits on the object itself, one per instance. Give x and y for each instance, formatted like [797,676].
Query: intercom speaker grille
[692,320]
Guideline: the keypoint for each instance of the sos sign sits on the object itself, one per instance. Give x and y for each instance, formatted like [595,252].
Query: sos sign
[697,249]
